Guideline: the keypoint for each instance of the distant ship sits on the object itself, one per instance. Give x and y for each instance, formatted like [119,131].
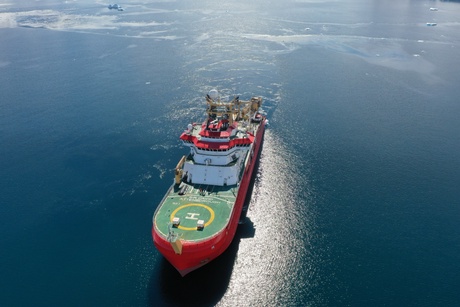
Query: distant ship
[198,217]
[115,7]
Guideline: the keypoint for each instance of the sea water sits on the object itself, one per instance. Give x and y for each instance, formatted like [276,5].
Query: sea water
[355,201]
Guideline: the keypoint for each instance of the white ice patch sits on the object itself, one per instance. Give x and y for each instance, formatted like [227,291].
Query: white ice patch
[56,20]
[385,52]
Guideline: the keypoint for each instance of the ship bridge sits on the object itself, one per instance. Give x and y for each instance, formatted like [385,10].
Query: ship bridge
[220,145]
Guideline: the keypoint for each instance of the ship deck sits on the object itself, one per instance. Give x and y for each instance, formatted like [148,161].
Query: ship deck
[211,204]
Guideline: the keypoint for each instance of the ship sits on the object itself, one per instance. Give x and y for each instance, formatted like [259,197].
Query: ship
[197,219]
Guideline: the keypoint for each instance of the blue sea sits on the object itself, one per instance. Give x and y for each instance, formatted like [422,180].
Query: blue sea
[356,200]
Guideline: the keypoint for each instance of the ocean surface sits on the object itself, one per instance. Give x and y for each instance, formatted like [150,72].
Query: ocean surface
[356,201]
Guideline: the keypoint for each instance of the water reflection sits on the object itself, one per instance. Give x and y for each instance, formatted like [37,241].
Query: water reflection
[275,265]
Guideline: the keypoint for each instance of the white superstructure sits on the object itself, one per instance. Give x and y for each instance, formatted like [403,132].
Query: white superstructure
[220,146]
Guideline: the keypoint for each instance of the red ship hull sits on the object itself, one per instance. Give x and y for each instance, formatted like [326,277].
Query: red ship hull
[194,255]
